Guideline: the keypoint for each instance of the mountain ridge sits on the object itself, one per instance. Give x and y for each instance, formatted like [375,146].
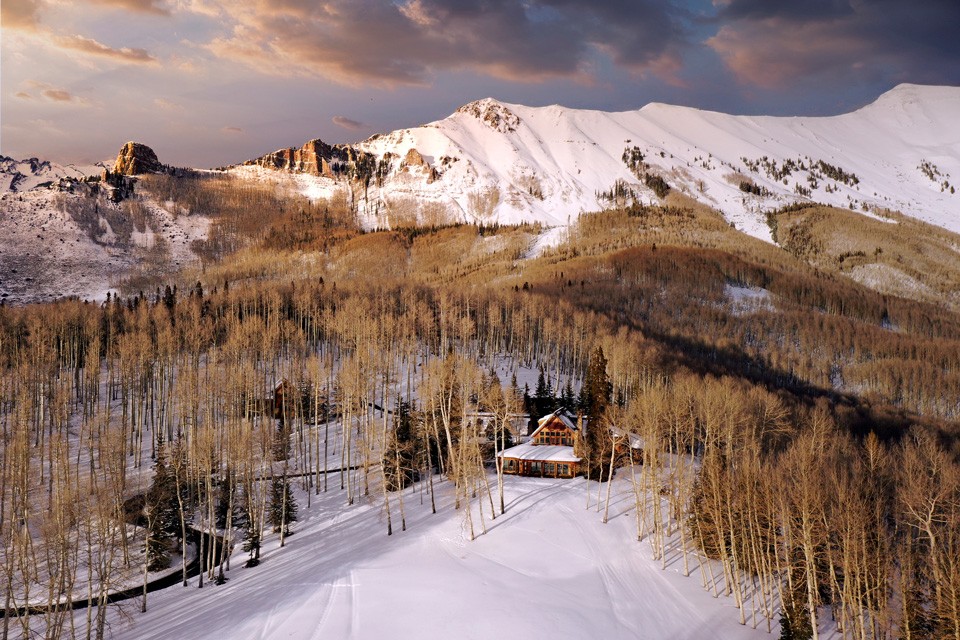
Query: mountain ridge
[493,161]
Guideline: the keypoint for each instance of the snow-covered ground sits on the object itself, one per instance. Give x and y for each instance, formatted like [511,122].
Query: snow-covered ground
[45,254]
[547,568]
[549,164]
[24,175]
[745,300]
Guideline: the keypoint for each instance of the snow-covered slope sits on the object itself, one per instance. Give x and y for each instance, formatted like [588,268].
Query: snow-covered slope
[24,175]
[58,243]
[492,161]
[548,568]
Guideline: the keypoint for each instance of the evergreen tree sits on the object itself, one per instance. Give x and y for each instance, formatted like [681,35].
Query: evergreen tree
[170,297]
[283,508]
[248,524]
[225,497]
[398,455]
[794,618]
[281,441]
[531,408]
[595,441]
[544,400]
[567,398]
[596,391]
[160,509]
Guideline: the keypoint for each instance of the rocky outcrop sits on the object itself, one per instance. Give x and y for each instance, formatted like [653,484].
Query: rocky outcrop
[492,113]
[116,186]
[415,159]
[315,157]
[135,158]
[320,159]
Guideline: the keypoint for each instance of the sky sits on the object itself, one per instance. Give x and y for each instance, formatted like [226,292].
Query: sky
[213,82]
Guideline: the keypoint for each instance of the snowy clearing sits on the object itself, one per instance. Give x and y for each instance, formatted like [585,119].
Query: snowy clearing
[548,568]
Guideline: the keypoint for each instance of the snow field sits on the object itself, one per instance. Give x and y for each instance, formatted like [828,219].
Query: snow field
[547,568]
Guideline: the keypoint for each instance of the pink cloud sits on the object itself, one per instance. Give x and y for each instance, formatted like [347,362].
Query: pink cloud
[347,123]
[20,14]
[93,47]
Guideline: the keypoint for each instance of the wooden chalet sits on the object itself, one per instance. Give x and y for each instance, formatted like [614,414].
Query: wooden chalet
[549,453]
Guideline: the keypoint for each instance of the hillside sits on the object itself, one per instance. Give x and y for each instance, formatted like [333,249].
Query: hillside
[492,161]
[495,162]
[67,233]
[764,392]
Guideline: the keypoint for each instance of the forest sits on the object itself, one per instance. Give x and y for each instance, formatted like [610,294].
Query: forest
[801,443]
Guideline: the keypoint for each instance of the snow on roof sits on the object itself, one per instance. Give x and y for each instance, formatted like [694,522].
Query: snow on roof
[553,453]
[636,442]
[562,416]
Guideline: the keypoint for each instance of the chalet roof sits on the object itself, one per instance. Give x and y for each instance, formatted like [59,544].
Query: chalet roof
[636,442]
[562,415]
[544,452]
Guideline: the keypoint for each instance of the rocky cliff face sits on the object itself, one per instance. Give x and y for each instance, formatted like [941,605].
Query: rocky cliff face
[135,158]
[315,158]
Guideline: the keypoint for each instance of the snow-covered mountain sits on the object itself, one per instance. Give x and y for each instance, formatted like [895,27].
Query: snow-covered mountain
[65,234]
[24,175]
[491,161]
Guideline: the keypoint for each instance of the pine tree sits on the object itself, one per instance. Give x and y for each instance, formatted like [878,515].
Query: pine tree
[399,452]
[248,524]
[794,619]
[283,508]
[161,511]
[567,399]
[595,441]
[531,408]
[225,491]
[544,399]
[596,391]
[281,441]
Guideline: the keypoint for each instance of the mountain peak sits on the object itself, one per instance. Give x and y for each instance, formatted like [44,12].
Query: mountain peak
[907,94]
[493,113]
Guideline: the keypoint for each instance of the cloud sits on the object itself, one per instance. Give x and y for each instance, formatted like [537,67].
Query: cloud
[347,123]
[405,43]
[774,43]
[58,95]
[20,14]
[167,105]
[93,47]
[140,6]
[50,93]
